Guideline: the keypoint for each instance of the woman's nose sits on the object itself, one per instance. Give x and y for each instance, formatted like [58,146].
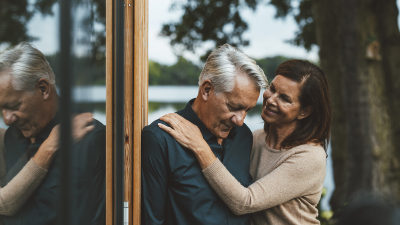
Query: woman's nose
[272,99]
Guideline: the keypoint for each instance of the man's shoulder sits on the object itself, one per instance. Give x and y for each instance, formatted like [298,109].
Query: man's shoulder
[244,129]
[94,141]
[152,133]
[244,132]
[90,152]
[99,130]
[98,127]
[153,130]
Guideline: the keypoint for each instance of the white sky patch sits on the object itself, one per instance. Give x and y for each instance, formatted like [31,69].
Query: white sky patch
[46,29]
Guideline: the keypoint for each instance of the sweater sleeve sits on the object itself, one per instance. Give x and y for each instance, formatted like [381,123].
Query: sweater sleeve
[20,188]
[297,176]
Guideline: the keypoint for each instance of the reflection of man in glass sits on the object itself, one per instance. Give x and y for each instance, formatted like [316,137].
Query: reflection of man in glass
[174,189]
[28,99]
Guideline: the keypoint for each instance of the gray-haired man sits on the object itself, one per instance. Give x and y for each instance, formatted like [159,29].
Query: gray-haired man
[174,190]
[28,100]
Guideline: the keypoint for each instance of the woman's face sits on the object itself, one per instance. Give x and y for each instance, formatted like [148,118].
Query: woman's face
[281,106]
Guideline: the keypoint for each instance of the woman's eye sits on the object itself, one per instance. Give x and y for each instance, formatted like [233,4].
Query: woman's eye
[271,89]
[286,99]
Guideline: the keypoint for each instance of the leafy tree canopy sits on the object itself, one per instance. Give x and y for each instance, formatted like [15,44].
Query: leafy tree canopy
[15,16]
[220,21]
[182,72]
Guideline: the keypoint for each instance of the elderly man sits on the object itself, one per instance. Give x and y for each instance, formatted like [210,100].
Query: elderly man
[28,100]
[174,190]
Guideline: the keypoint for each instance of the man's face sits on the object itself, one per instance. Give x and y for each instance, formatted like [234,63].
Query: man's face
[225,110]
[24,109]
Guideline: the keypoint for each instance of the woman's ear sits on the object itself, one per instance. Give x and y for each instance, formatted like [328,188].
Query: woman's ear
[205,89]
[305,112]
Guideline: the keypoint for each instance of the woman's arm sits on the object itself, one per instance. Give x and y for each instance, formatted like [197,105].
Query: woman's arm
[44,156]
[19,189]
[293,178]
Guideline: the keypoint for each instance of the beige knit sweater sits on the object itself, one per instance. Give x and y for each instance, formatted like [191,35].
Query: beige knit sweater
[20,188]
[288,184]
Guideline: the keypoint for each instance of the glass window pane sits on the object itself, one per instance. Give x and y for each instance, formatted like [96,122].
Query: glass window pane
[31,112]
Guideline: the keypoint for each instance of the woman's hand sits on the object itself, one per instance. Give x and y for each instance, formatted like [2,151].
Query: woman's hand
[189,136]
[45,154]
[186,133]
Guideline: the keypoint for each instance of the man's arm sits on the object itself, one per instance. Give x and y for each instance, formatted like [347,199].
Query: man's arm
[155,172]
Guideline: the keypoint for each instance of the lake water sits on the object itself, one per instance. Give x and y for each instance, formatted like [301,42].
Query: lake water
[167,99]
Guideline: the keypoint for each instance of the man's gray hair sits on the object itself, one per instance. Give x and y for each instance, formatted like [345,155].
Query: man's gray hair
[26,65]
[223,65]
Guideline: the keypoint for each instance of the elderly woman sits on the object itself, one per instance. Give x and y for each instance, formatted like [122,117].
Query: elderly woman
[288,156]
[19,189]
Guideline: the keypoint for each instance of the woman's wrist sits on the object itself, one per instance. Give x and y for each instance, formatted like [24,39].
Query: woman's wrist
[200,147]
[204,155]
[45,155]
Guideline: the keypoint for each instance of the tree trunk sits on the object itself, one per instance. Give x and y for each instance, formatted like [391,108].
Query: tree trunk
[356,52]
[389,36]
[325,16]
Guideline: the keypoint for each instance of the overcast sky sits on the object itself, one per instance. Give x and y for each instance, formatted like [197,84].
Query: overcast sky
[267,35]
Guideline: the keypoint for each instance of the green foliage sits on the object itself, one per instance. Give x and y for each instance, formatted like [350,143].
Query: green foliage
[324,216]
[182,72]
[185,72]
[270,64]
[283,7]
[306,35]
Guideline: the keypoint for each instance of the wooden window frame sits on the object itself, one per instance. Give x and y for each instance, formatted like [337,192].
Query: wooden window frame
[135,105]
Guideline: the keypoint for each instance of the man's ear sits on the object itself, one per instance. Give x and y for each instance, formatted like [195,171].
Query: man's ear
[205,89]
[44,88]
[305,112]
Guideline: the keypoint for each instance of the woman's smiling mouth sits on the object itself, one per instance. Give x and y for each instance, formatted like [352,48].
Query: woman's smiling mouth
[270,111]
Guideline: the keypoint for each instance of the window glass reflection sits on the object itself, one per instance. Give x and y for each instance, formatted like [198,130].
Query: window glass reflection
[30,161]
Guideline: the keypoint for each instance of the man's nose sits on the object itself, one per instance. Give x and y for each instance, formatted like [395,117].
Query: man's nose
[9,117]
[238,118]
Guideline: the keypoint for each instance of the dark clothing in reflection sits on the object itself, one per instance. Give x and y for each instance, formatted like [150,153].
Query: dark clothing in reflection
[86,191]
[174,190]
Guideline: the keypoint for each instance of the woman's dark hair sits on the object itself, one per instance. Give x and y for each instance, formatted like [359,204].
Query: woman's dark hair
[314,92]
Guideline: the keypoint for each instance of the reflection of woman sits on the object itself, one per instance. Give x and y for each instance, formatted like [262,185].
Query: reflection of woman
[288,157]
[18,190]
